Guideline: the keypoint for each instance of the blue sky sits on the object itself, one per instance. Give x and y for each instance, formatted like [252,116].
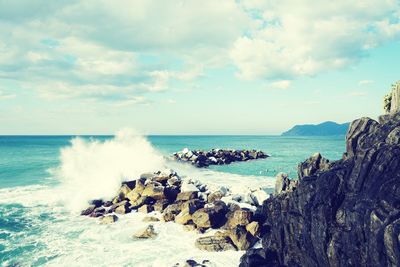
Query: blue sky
[193,67]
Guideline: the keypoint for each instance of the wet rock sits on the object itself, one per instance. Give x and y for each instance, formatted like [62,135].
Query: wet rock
[210,217]
[133,195]
[108,219]
[201,158]
[346,214]
[123,208]
[183,217]
[146,208]
[98,212]
[147,232]
[170,212]
[215,196]
[239,217]
[160,205]
[89,210]
[283,184]
[214,243]
[253,228]
[241,238]
[314,164]
[140,202]
[155,191]
[188,195]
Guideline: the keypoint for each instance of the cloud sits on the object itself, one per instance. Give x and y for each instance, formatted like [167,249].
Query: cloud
[357,94]
[283,84]
[101,50]
[4,96]
[91,49]
[365,82]
[296,40]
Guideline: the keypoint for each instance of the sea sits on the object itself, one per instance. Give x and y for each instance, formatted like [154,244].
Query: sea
[46,180]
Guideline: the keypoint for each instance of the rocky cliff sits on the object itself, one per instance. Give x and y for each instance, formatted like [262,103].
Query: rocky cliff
[342,213]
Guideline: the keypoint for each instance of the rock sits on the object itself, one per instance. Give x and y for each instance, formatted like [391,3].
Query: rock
[88,210]
[123,209]
[160,205]
[155,191]
[123,191]
[346,214]
[214,243]
[239,217]
[130,184]
[170,212]
[189,227]
[140,202]
[241,238]
[191,206]
[283,184]
[108,219]
[253,228]
[215,196]
[97,202]
[146,208]
[201,158]
[171,192]
[133,195]
[174,181]
[147,232]
[140,185]
[188,187]
[183,217]
[150,219]
[98,212]
[313,165]
[259,196]
[188,195]
[210,217]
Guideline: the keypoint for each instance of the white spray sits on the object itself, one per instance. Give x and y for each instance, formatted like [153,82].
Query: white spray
[95,169]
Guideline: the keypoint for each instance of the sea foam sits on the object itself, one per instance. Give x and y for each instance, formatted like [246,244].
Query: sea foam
[93,169]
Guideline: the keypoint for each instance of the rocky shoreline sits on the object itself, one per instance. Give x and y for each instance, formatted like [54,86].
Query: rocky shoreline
[165,196]
[201,158]
[341,213]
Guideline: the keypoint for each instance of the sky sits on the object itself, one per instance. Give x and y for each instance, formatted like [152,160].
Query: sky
[193,67]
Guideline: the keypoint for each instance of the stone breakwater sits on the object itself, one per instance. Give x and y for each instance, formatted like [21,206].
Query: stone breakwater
[200,158]
[229,218]
[341,213]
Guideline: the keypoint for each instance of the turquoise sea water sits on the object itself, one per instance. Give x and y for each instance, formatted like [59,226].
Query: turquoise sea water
[37,228]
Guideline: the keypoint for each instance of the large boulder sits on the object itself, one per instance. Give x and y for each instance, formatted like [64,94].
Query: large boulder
[239,217]
[155,191]
[241,238]
[211,217]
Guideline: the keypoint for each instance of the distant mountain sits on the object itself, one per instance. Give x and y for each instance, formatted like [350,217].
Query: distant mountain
[322,129]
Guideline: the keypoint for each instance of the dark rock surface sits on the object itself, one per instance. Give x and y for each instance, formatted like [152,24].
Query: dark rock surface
[343,213]
[201,158]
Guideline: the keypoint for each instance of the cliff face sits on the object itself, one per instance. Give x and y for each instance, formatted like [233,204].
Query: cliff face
[343,213]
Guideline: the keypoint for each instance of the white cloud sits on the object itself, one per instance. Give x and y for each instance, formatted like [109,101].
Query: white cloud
[295,40]
[357,94]
[365,82]
[283,84]
[97,49]
[4,96]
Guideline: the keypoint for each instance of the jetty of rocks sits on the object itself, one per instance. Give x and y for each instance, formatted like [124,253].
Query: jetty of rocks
[189,203]
[201,158]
